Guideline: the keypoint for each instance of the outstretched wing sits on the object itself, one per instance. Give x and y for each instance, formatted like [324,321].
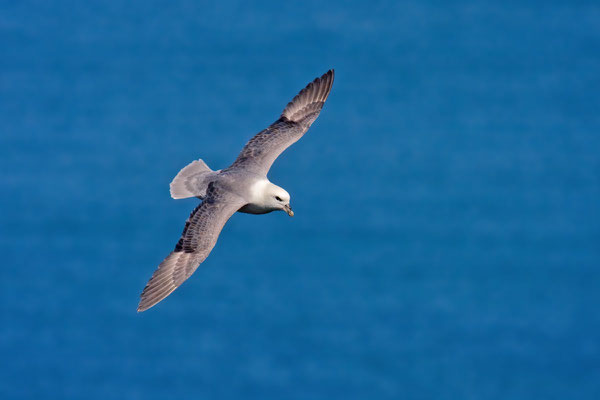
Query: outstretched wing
[261,151]
[197,240]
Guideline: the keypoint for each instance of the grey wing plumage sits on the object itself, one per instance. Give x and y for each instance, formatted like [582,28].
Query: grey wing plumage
[197,240]
[261,151]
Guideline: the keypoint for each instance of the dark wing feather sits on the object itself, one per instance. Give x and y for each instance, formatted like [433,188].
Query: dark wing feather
[197,240]
[261,151]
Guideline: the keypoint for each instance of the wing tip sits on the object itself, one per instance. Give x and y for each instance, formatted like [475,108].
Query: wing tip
[146,303]
[161,284]
[316,91]
[144,307]
[153,298]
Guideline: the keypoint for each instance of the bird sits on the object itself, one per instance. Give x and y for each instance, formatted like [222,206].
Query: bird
[241,187]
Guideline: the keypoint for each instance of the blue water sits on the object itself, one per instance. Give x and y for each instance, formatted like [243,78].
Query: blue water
[446,243]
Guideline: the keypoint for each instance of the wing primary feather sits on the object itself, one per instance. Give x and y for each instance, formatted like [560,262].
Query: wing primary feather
[315,92]
[199,236]
[261,151]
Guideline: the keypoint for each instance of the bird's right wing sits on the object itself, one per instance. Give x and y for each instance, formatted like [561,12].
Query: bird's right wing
[197,240]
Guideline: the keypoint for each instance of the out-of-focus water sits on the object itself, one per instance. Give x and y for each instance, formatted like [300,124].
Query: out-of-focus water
[446,243]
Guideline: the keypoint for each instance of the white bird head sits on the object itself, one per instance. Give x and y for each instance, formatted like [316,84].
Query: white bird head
[278,198]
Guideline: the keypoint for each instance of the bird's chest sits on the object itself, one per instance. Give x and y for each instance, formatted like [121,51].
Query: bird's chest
[254,209]
[256,198]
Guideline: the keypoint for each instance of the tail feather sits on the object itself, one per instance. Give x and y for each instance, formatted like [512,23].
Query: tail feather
[191,181]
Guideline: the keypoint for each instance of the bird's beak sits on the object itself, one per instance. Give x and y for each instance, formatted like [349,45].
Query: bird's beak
[288,210]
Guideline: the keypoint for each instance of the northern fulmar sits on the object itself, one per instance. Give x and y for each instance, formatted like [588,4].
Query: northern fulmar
[242,187]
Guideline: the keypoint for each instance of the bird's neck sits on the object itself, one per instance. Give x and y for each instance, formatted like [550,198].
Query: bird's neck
[259,191]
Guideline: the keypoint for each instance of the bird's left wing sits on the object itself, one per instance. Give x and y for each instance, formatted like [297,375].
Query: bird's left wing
[197,240]
[261,151]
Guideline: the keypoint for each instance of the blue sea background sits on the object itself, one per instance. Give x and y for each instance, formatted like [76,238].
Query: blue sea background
[446,243]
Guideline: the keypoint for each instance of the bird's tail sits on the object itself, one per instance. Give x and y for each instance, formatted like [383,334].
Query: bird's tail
[192,181]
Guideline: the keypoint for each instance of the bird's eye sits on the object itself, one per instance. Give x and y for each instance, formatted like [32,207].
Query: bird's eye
[277,198]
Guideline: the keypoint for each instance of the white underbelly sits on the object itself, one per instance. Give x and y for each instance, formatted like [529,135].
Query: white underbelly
[254,209]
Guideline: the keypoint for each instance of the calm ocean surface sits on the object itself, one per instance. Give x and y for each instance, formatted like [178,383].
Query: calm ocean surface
[446,243]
